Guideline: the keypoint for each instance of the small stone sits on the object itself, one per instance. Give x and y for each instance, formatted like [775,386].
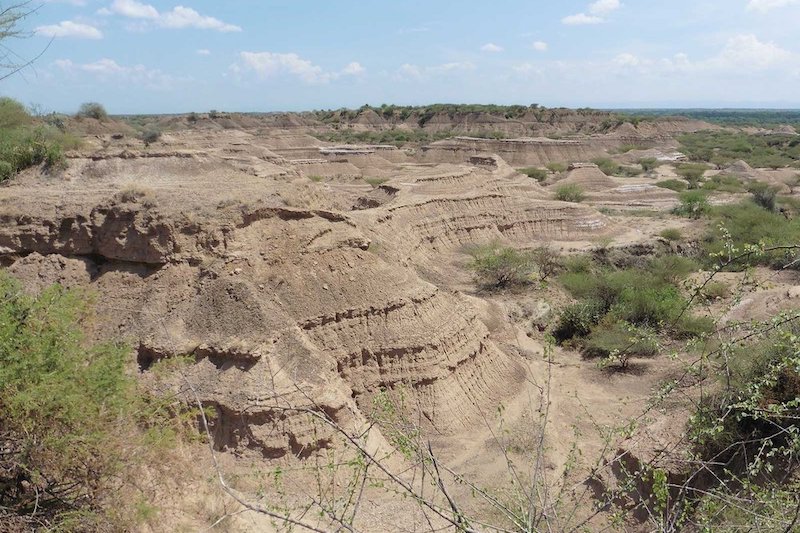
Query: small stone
[351,278]
[325,287]
[261,286]
[237,271]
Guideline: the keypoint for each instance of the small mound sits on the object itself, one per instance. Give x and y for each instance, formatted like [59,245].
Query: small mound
[741,168]
[589,177]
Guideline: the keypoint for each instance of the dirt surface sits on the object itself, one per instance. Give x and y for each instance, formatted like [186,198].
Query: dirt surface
[304,276]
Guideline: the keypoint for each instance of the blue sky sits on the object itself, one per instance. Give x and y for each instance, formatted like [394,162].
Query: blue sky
[268,55]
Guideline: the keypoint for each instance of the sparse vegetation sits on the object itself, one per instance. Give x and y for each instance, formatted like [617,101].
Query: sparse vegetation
[570,193]
[694,204]
[394,136]
[737,228]
[672,234]
[724,183]
[556,168]
[375,182]
[73,421]
[692,173]
[620,312]
[539,174]
[625,148]
[722,148]
[715,290]
[673,185]
[747,435]
[649,163]
[611,168]
[149,137]
[764,195]
[92,110]
[316,178]
[498,267]
[25,143]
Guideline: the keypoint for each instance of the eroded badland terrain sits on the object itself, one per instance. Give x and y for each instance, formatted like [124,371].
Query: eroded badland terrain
[314,282]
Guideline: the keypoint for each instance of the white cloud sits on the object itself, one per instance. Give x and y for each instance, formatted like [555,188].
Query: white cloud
[747,51]
[604,7]
[268,64]
[767,5]
[185,17]
[271,64]
[627,60]
[203,52]
[179,17]
[408,71]
[67,28]
[108,70]
[581,19]
[527,69]
[540,46]
[133,9]
[491,47]
[741,56]
[414,72]
[353,69]
[449,67]
[598,11]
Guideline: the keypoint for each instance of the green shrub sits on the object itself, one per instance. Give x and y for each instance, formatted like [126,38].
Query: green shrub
[570,193]
[672,268]
[315,178]
[748,224]
[625,148]
[73,421]
[722,148]
[724,183]
[649,163]
[539,174]
[578,263]
[7,171]
[375,182]
[646,296]
[497,267]
[746,436]
[760,395]
[689,326]
[21,148]
[692,173]
[556,168]
[629,172]
[763,195]
[620,340]
[13,114]
[148,137]
[672,234]
[694,204]
[673,185]
[607,166]
[715,289]
[92,110]
[648,306]
[577,320]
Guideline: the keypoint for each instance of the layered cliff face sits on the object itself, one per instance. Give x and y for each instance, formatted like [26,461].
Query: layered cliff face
[281,308]
[520,152]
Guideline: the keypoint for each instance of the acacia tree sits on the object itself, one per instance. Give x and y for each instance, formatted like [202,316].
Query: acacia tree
[11,17]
